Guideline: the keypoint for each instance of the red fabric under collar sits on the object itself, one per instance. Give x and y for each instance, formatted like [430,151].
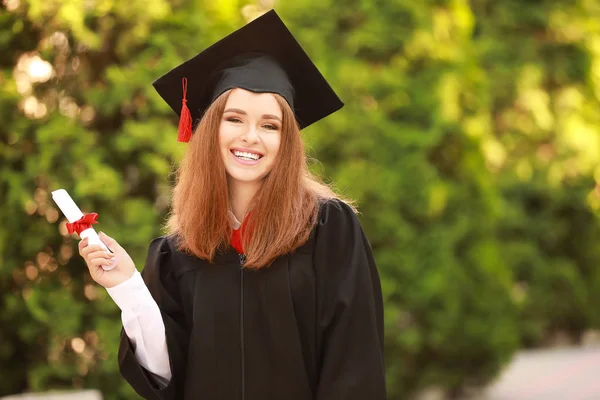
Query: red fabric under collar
[238,234]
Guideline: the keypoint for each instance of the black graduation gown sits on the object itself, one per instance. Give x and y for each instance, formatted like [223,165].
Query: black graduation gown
[309,327]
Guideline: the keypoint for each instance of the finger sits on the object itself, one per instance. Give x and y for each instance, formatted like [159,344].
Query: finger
[82,244]
[90,249]
[100,254]
[99,262]
[108,241]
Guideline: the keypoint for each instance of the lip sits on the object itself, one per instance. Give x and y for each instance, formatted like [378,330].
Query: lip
[246,150]
[244,162]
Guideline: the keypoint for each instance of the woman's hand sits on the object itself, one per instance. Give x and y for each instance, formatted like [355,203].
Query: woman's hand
[95,257]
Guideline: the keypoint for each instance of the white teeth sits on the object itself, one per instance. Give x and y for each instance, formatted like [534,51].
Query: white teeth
[243,154]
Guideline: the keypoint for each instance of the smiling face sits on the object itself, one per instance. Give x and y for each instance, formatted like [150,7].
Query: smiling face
[250,135]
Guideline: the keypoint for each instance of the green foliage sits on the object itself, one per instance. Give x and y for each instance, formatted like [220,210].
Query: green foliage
[469,138]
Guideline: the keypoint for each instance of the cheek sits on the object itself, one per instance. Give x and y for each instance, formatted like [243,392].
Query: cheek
[224,142]
[222,135]
[274,144]
[226,137]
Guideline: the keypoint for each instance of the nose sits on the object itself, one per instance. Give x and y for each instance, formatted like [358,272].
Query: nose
[250,135]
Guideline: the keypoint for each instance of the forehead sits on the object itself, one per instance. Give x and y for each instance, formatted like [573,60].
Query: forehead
[251,102]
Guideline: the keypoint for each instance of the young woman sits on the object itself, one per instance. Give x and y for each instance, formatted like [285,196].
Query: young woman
[285,305]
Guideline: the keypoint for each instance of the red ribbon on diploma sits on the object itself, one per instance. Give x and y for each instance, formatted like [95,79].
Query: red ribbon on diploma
[83,223]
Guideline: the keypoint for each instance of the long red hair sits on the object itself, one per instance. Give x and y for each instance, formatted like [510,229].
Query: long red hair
[283,211]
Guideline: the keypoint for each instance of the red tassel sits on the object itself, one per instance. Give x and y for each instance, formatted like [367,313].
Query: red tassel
[185,118]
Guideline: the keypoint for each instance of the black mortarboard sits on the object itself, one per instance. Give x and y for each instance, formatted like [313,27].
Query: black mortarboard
[263,56]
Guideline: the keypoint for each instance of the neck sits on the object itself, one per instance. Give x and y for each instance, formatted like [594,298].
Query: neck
[240,196]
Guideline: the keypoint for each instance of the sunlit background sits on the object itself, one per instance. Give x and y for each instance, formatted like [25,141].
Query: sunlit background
[470,140]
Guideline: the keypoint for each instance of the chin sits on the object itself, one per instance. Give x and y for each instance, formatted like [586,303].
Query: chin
[245,178]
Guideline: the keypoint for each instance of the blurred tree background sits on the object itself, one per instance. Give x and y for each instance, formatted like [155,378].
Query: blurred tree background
[470,139]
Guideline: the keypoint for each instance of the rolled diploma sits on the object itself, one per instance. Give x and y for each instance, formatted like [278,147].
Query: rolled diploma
[73,213]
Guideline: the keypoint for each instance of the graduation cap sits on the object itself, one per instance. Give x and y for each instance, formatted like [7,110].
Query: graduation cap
[263,56]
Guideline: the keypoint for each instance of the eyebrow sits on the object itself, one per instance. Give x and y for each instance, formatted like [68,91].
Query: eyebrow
[242,112]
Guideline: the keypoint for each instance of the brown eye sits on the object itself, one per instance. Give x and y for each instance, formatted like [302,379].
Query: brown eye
[270,127]
[234,120]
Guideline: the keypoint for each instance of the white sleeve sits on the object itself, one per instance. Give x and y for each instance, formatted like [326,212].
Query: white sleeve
[144,326]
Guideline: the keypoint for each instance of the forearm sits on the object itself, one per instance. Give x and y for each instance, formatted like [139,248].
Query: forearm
[143,324]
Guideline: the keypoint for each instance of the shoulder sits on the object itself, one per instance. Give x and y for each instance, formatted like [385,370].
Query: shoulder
[161,247]
[341,248]
[337,214]
[333,215]
[337,226]
[165,260]
[160,244]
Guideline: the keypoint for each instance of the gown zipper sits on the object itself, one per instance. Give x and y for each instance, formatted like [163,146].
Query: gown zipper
[242,349]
